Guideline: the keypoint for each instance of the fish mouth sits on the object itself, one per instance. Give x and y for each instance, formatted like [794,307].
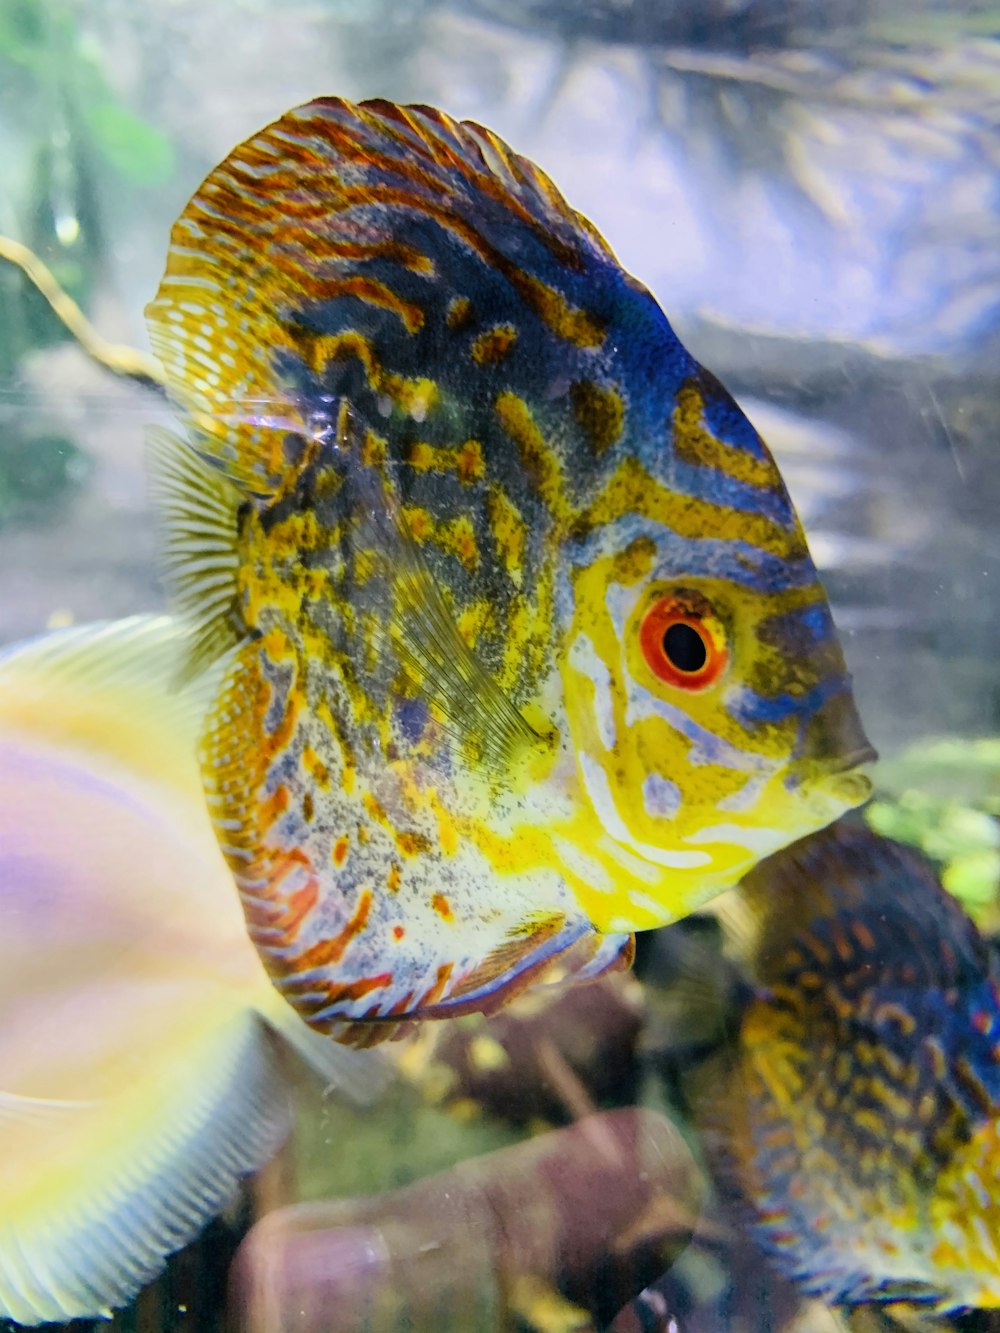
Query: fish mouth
[849,789]
[835,743]
[857,758]
[835,752]
[841,779]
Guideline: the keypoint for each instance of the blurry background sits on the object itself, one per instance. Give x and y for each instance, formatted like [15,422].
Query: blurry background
[810,187]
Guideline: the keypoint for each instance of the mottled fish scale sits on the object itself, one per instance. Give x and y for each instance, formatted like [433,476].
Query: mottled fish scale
[459,444]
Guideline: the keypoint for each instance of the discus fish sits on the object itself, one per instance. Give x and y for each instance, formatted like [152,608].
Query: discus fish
[138,1079]
[857,1120]
[527,650]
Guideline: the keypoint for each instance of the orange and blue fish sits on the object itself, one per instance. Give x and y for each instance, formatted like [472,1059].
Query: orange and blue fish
[139,1076]
[855,1121]
[524,646]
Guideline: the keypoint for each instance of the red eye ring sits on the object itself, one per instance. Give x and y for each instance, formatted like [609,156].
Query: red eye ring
[682,643]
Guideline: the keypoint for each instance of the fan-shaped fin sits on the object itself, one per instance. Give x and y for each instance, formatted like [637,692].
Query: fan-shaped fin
[93,1199]
[198,520]
[137,1079]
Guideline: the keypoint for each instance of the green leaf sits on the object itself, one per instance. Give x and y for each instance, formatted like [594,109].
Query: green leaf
[973,879]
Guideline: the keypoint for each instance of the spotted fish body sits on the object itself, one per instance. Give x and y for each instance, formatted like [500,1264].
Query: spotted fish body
[858,1119]
[452,478]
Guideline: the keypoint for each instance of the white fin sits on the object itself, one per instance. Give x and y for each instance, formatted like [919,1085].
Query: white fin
[123,1206]
[110,688]
[138,653]
[198,514]
[360,1076]
[14,1107]
[138,1075]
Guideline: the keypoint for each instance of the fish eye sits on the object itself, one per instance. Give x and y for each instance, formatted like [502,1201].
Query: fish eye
[683,642]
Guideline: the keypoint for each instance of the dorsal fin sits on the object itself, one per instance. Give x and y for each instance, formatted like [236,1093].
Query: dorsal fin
[371,206]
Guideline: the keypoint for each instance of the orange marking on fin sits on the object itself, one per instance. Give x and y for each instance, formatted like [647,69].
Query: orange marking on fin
[319,350]
[459,314]
[402,1005]
[340,849]
[288,921]
[863,936]
[283,915]
[459,537]
[470,464]
[375,810]
[366,289]
[325,952]
[466,460]
[841,943]
[315,767]
[419,523]
[333,993]
[435,992]
[273,808]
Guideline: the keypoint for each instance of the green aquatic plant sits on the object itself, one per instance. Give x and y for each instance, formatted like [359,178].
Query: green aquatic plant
[48,56]
[943,796]
[74,143]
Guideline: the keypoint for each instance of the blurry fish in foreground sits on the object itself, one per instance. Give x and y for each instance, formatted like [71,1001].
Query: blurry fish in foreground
[138,1076]
[856,1121]
[527,641]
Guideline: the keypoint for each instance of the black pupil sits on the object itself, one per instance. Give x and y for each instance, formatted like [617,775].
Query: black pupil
[685,648]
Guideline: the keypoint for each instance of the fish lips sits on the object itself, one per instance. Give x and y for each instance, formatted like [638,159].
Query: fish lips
[834,750]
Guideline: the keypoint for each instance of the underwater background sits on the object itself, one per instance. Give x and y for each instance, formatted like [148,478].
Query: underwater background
[812,192]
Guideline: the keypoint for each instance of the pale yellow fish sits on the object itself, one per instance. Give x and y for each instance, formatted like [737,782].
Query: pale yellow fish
[138,1071]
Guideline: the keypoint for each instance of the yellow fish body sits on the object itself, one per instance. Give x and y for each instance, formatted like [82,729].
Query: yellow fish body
[528,651]
[138,1079]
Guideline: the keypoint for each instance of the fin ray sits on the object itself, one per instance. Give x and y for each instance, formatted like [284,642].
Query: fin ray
[75,685]
[93,1253]
[378,173]
[197,510]
[421,632]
